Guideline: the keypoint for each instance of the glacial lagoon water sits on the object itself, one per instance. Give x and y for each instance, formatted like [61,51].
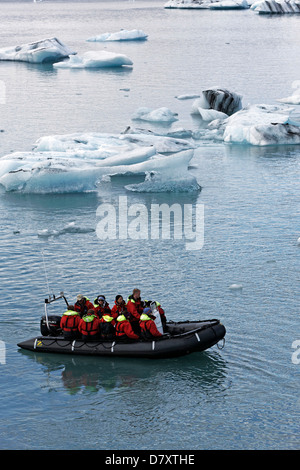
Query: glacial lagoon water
[245,396]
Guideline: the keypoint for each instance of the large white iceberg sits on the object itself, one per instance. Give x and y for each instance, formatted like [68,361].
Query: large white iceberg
[258,125]
[295,97]
[205,4]
[80,162]
[123,35]
[46,50]
[155,115]
[276,6]
[94,59]
[216,103]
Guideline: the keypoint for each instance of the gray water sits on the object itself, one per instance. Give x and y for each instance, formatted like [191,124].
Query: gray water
[245,396]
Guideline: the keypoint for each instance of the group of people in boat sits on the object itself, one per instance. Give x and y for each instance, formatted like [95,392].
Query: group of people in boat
[133,319]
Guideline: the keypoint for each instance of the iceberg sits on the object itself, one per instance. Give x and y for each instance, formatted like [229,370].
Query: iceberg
[260,125]
[216,103]
[94,59]
[81,162]
[208,4]
[46,50]
[276,6]
[295,97]
[155,115]
[123,35]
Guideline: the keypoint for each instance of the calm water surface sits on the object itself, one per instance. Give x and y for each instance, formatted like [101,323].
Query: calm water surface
[245,396]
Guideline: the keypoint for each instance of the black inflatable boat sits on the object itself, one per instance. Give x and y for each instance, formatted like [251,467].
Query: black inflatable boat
[180,338]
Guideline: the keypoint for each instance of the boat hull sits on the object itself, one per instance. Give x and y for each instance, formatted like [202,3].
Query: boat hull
[192,336]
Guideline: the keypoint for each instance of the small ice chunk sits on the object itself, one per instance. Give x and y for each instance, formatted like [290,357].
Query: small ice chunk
[187,97]
[295,97]
[69,228]
[155,115]
[123,35]
[236,287]
[95,59]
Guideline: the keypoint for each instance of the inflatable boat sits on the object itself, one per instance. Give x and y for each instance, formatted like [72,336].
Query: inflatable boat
[179,339]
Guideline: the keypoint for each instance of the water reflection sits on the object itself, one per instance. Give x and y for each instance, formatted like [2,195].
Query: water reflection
[205,370]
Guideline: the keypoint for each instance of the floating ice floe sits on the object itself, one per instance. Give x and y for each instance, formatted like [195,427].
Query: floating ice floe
[123,35]
[276,6]
[94,59]
[69,228]
[216,103]
[259,125]
[187,97]
[177,136]
[236,287]
[202,4]
[155,115]
[295,97]
[46,50]
[80,162]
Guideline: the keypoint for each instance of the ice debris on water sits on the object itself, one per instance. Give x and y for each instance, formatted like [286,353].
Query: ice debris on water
[95,59]
[45,50]
[123,35]
[207,4]
[236,287]
[295,96]
[69,228]
[155,115]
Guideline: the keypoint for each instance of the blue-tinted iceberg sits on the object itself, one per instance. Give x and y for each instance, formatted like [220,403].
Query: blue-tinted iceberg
[94,59]
[46,50]
[216,103]
[123,35]
[80,162]
[155,115]
[258,125]
[276,6]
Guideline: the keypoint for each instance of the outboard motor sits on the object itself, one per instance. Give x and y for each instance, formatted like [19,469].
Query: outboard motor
[54,325]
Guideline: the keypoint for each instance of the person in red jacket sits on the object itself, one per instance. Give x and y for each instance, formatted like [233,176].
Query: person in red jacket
[135,308]
[148,326]
[82,305]
[89,326]
[124,329]
[107,327]
[101,307]
[69,323]
[119,307]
